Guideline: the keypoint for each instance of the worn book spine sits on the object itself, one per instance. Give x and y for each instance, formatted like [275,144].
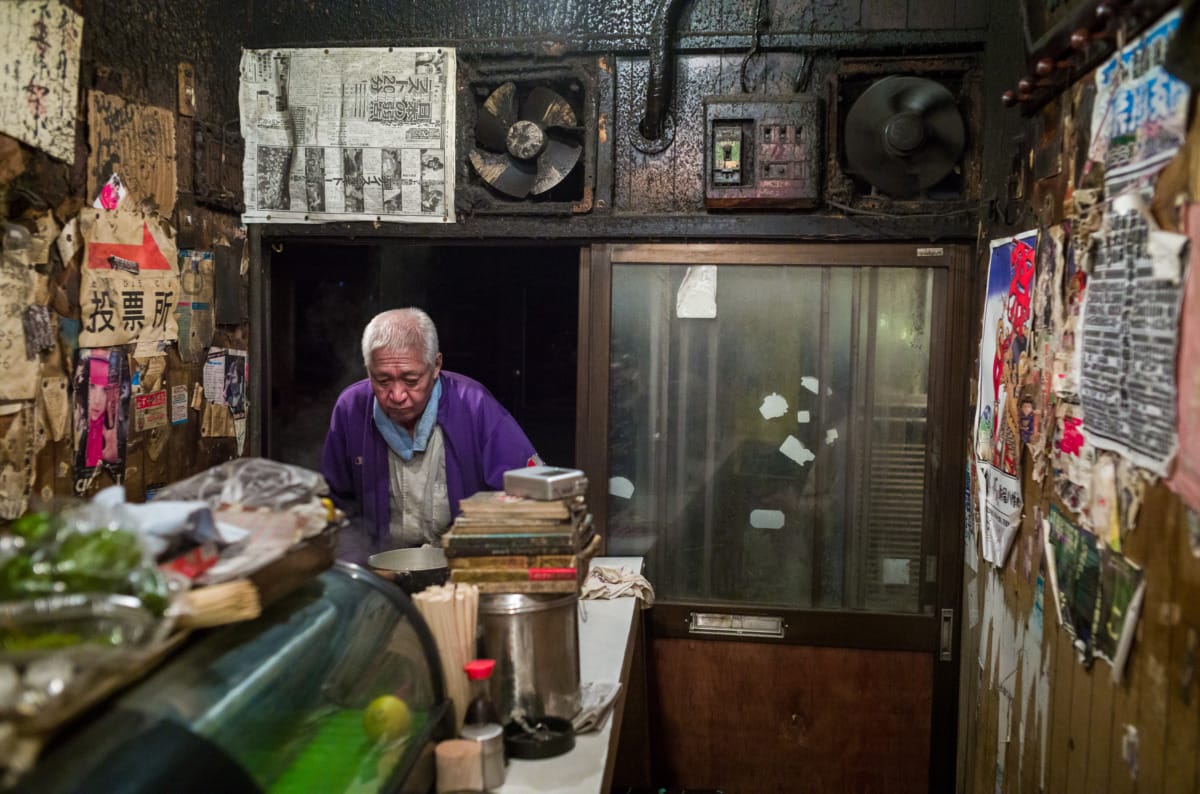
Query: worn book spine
[555,586]
[510,544]
[494,527]
[515,561]
[476,575]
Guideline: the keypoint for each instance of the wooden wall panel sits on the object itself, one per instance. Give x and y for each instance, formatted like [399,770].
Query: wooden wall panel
[751,718]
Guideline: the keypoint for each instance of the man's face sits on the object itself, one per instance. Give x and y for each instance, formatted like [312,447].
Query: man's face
[402,383]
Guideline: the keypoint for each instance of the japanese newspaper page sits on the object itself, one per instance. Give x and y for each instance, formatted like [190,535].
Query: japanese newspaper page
[348,134]
[1131,309]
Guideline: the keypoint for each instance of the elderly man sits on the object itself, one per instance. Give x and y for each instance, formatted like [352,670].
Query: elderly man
[411,440]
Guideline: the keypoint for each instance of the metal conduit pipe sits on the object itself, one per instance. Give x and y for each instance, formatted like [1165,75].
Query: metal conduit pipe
[661,82]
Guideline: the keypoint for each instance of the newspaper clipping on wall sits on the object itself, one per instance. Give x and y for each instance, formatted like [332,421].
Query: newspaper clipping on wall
[345,134]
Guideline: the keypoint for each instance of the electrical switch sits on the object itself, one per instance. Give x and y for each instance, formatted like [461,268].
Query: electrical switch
[727,154]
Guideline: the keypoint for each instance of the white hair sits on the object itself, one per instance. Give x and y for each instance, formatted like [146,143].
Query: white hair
[398,330]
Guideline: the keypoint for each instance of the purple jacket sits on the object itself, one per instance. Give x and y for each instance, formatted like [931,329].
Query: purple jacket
[482,442]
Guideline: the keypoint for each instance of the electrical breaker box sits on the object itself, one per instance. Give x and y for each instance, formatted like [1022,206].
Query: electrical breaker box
[763,153]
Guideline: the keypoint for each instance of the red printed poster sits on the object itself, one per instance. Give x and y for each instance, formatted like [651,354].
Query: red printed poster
[1005,356]
[151,410]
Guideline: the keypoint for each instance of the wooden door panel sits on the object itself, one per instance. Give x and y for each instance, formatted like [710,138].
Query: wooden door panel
[751,718]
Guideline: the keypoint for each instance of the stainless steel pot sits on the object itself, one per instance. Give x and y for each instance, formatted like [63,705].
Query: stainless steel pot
[535,642]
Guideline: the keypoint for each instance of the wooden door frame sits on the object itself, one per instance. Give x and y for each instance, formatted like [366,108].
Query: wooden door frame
[945,463]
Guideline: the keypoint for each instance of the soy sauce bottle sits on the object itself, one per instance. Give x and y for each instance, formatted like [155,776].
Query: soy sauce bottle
[481,710]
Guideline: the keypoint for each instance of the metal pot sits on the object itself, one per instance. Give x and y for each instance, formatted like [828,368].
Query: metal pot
[413,569]
[535,642]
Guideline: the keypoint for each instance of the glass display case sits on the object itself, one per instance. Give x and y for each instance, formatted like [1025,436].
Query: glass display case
[336,688]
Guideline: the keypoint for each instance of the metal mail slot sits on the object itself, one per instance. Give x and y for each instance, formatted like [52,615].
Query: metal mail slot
[738,625]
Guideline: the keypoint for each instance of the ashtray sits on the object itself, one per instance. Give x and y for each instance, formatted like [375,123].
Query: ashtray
[545,737]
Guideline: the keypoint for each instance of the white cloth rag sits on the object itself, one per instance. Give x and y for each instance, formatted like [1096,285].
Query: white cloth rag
[605,582]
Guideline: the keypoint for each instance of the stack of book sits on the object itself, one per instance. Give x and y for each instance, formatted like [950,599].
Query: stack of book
[511,544]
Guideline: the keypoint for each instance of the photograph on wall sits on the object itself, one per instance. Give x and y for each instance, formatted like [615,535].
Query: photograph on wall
[235,382]
[1004,358]
[343,134]
[102,387]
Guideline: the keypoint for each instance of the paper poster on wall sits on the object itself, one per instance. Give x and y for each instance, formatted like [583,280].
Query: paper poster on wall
[1004,354]
[1070,289]
[1130,324]
[38,87]
[1139,118]
[1036,411]
[129,287]
[1074,557]
[194,311]
[150,410]
[179,405]
[1098,592]
[1185,479]
[18,372]
[102,386]
[339,134]
[138,143]
[235,382]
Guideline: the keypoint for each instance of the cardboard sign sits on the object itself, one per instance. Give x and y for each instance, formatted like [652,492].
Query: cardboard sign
[130,286]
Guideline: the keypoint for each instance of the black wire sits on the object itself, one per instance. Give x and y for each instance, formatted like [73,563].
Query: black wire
[894,215]
[760,24]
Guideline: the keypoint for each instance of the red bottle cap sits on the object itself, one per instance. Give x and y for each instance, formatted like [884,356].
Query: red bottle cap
[479,668]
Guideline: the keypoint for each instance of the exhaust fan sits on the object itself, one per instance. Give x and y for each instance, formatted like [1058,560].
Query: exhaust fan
[904,135]
[526,147]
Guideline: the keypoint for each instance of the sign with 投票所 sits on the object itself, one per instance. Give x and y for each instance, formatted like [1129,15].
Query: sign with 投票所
[130,285]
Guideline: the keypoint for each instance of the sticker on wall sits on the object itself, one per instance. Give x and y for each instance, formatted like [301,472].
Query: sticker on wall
[697,296]
[773,406]
[620,487]
[766,519]
[794,449]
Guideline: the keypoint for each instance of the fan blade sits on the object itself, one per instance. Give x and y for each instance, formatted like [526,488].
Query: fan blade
[547,109]
[904,134]
[504,173]
[502,103]
[491,131]
[555,162]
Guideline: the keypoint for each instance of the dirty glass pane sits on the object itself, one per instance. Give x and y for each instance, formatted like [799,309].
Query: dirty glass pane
[775,453]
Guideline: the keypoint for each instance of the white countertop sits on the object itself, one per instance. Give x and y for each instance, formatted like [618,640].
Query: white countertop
[605,640]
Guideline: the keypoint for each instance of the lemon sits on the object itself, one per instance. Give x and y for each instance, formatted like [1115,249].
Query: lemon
[386,717]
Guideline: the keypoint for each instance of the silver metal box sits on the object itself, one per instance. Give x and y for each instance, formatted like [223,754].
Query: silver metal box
[545,482]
